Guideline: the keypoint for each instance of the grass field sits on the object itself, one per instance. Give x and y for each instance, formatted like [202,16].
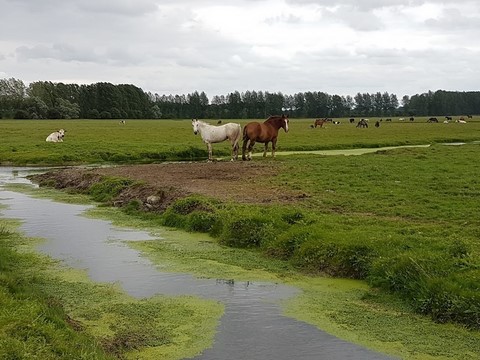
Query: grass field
[405,221]
[106,141]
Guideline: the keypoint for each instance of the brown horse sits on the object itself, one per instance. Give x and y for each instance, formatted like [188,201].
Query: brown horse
[320,122]
[263,133]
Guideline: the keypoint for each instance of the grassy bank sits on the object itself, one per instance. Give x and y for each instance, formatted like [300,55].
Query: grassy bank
[146,141]
[347,308]
[52,312]
[402,220]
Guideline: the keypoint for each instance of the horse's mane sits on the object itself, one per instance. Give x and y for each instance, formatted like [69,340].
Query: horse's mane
[202,122]
[276,117]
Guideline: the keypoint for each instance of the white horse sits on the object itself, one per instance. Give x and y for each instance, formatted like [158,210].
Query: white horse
[56,136]
[214,134]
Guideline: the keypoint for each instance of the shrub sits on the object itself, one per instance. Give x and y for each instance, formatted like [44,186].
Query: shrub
[189,204]
[133,207]
[192,213]
[248,231]
[434,284]
[108,188]
[201,221]
[289,242]
[339,258]
[449,301]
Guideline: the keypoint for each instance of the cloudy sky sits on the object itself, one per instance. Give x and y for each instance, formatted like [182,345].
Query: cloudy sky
[340,47]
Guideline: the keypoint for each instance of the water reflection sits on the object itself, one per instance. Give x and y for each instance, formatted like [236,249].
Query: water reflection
[252,326]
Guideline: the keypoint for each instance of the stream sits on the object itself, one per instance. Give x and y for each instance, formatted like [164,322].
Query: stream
[252,326]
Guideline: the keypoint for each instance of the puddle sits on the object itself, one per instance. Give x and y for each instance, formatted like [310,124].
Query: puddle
[252,326]
[346,152]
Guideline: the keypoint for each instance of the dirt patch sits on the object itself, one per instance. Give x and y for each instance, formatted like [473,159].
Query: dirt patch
[243,182]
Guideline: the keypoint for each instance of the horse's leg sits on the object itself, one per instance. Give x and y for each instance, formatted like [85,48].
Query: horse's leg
[244,149]
[274,146]
[209,147]
[250,148]
[235,151]
[265,149]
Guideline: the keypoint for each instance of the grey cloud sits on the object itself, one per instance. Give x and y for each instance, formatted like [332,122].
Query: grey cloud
[67,53]
[122,7]
[61,52]
[368,5]
[355,19]
[119,7]
[453,19]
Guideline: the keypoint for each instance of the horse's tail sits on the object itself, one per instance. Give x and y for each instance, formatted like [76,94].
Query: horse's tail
[238,136]
[245,136]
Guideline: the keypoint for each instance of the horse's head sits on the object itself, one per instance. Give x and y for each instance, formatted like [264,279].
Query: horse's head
[285,122]
[195,123]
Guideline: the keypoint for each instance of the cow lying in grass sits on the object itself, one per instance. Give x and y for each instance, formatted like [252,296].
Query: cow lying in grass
[56,136]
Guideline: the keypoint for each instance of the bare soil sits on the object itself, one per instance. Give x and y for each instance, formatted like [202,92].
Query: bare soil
[243,182]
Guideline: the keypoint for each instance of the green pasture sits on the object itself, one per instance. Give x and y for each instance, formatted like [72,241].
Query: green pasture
[404,221]
[144,141]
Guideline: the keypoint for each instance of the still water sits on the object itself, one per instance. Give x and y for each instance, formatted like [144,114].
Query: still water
[252,326]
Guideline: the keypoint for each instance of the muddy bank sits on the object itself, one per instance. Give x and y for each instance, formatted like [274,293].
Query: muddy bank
[156,186]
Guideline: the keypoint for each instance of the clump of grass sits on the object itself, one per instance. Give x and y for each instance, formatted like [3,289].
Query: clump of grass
[108,188]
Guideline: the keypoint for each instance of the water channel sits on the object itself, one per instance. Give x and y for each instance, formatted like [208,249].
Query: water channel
[252,327]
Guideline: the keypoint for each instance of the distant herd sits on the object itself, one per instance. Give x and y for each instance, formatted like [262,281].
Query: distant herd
[363,123]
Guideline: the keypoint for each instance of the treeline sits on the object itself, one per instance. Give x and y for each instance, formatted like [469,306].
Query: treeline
[49,100]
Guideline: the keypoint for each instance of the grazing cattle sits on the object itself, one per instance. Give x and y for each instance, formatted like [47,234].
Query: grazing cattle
[461,121]
[352,120]
[432,120]
[362,124]
[388,119]
[469,116]
[446,121]
[377,124]
[122,122]
[56,136]
[401,119]
[448,117]
[336,122]
[219,122]
[412,118]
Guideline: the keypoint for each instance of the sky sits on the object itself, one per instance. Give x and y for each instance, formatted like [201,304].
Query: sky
[343,47]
